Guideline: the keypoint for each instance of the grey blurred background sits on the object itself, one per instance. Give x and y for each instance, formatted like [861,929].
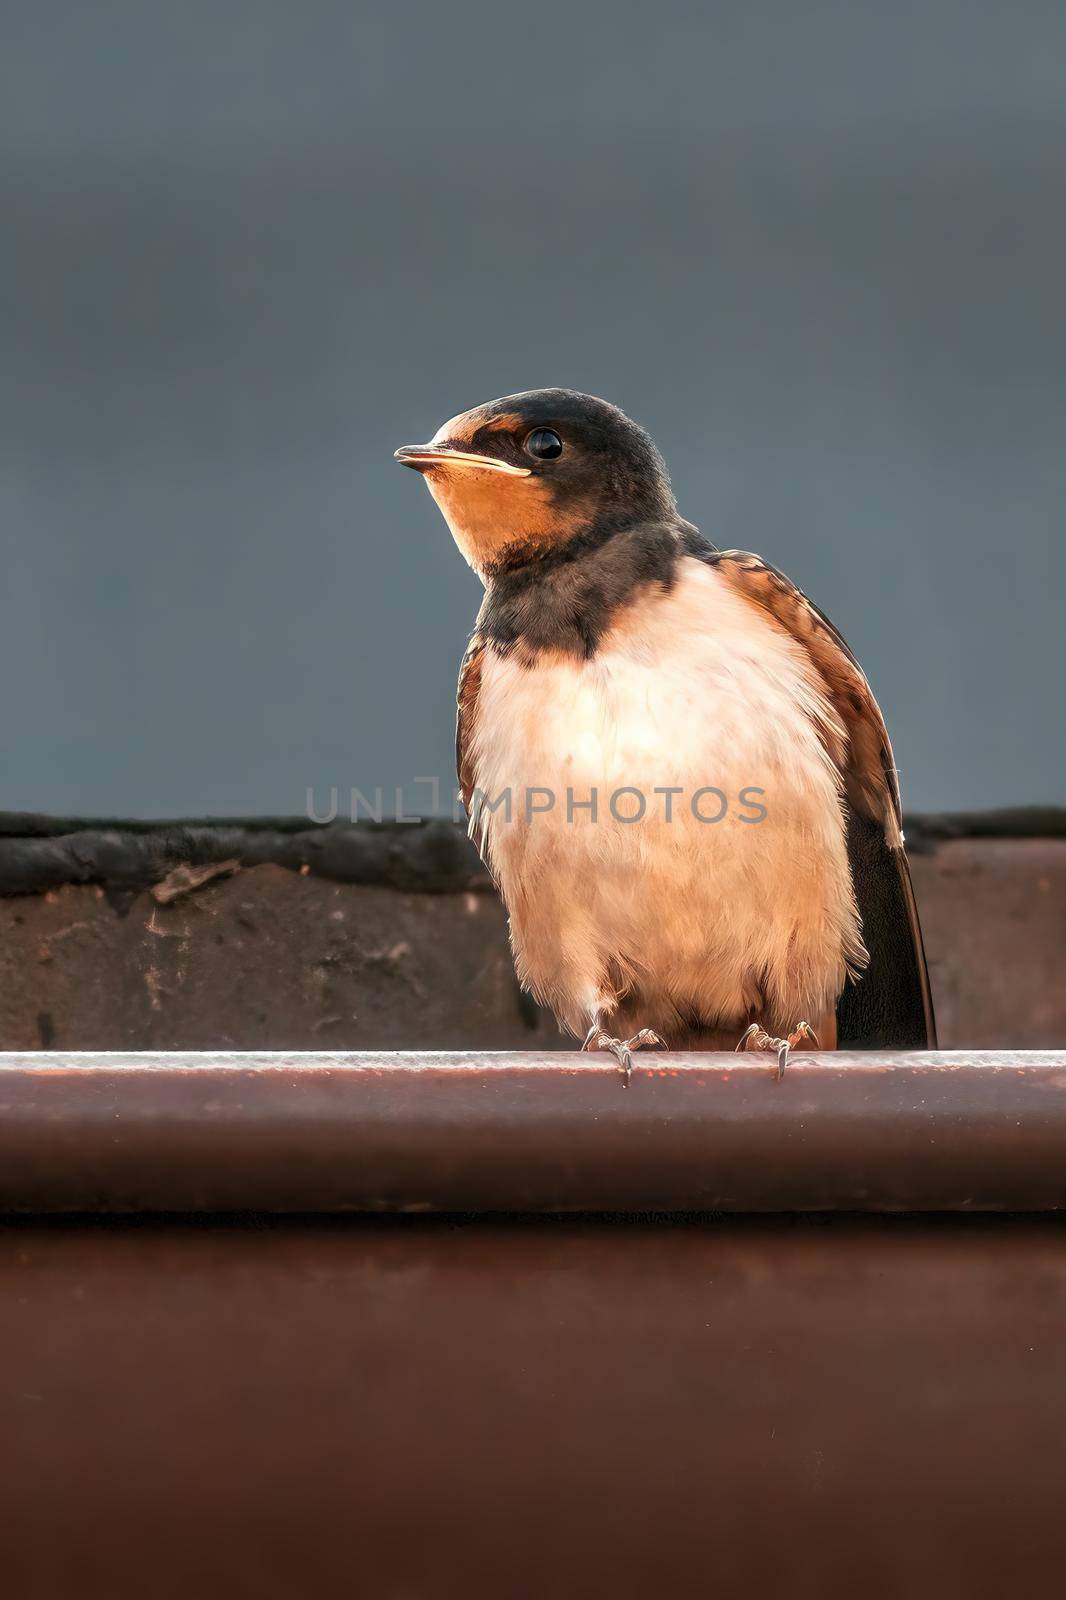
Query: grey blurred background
[248,249]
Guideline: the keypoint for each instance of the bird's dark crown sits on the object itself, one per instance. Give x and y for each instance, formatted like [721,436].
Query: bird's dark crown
[532,475]
[607,460]
[563,506]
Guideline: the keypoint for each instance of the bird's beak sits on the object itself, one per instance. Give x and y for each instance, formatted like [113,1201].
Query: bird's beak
[421,456]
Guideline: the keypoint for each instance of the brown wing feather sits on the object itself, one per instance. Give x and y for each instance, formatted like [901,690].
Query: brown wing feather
[466,715]
[892,1005]
[866,763]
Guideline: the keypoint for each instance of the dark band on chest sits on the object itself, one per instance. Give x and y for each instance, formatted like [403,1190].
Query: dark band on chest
[567,598]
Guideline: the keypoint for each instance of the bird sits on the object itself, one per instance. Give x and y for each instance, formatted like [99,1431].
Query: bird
[672,764]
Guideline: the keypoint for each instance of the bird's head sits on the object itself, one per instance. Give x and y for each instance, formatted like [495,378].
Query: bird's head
[526,474]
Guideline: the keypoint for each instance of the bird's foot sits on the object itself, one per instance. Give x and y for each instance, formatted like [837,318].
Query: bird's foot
[621,1049]
[756,1037]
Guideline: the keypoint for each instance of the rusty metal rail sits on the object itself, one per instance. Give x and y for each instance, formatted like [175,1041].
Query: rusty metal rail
[520,1405]
[525,1133]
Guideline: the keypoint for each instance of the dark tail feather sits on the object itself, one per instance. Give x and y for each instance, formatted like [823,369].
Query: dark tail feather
[890,1007]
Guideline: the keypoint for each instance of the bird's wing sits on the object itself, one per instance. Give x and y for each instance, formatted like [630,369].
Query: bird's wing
[466,715]
[891,1005]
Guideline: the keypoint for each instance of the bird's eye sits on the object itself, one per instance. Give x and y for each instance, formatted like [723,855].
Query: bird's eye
[544,445]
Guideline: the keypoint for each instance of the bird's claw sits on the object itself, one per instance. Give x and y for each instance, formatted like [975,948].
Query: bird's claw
[622,1049]
[755,1037]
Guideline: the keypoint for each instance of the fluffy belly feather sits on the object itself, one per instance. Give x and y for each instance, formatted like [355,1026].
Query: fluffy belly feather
[672,920]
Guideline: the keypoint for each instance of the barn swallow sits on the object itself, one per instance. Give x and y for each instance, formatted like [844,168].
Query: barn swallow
[624,674]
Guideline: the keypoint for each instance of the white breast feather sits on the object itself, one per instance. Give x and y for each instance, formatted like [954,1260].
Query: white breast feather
[693,688]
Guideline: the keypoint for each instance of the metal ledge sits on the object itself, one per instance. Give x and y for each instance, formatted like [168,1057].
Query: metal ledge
[525,1133]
